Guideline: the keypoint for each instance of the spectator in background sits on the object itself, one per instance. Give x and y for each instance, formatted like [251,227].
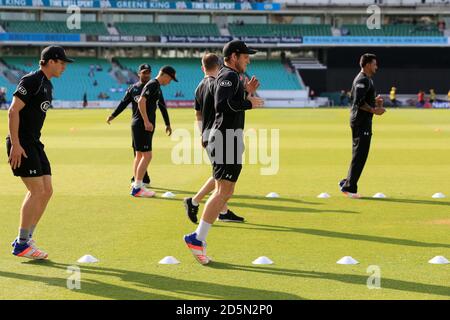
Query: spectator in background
[421,99]
[103,96]
[91,71]
[393,96]
[283,57]
[3,98]
[432,96]
[312,94]
[85,102]
[448,96]
[343,98]
[95,83]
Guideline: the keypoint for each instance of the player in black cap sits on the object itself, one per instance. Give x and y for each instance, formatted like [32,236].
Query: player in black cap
[205,115]
[31,100]
[364,106]
[143,126]
[132,96]
[232,97]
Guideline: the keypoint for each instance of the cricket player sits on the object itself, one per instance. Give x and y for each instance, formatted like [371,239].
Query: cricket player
[132,96]
[205,115]
[31,100]
[226,140]
[143,126]
[364,106]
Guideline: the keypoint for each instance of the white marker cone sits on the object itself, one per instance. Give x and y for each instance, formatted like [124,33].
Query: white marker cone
[273,195]
[263,260]
[168,194]
[438,195]
[324,195]
[438,260]
[347,260]
[87,259]
[379,195]
[169,260]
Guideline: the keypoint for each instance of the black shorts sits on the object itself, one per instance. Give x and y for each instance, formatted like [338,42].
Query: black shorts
[142,139]
[228,172]
[221,169]
[36,165]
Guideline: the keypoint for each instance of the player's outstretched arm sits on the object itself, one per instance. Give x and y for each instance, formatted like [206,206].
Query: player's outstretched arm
[122,106]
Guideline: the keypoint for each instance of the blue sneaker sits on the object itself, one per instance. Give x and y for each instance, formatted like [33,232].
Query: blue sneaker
[197,247]
[27,251]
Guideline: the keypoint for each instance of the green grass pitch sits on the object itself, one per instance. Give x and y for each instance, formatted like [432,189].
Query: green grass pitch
[92,212]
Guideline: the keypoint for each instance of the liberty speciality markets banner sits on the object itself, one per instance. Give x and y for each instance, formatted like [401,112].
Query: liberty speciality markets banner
[142,4]
[378,40]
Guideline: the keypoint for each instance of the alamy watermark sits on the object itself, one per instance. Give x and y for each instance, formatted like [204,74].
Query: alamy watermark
[374,280]
[73,21]
[374,20]
[261,146]
[74,279]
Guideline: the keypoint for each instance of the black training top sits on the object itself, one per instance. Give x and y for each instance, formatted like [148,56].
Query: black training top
[35,90]
[204,102]
[152,92]
[131,96]
[230,101]
[363,92]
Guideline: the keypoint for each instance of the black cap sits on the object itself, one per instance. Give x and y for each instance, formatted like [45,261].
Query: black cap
[55,53]
[237,46]
[145,67]
[170,71]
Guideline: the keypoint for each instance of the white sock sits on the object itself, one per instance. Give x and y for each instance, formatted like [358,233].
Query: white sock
[202,230]
[138,184]
[223,212]
[195,203]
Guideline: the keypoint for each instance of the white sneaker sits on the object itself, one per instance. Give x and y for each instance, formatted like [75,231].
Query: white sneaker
[142,192]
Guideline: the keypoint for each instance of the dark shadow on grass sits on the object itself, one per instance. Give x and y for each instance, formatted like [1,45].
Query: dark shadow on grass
[411,201]
[237,196]
[386,283]
[338,235]
[269,207]
[133,279]
[280,208]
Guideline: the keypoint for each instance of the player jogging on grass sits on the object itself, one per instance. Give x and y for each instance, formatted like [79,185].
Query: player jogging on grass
[364,106]
[143,126]
[31,100]
[132,96]
[226,141]
[205,114]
